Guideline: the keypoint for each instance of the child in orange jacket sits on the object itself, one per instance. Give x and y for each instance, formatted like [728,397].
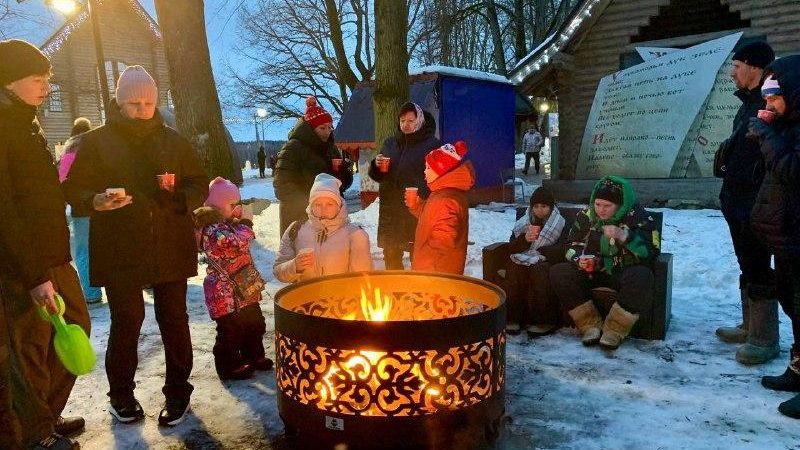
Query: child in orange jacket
[440,242]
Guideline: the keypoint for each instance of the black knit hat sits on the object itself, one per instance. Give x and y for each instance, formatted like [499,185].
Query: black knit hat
[544,196]
[757,54]
[609,191]
[20,59]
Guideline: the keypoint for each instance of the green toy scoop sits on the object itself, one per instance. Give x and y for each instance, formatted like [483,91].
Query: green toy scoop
[71,343]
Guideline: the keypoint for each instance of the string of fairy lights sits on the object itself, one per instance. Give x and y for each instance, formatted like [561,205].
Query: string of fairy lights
[59,39]
[556,43]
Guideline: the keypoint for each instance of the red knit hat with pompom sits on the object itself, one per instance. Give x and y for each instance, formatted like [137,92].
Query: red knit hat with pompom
[447,157]
[315,114]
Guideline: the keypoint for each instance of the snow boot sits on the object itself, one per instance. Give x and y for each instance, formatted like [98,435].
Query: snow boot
[513,329]
[791,407]
[737,334]
[617,326]
[535,331]
[588,321]
[762,339]
[790,380]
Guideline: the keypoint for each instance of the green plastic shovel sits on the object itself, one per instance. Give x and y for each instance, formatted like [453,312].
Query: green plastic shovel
[71,343]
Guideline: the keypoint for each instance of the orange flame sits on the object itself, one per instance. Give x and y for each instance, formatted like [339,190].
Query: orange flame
[377,309]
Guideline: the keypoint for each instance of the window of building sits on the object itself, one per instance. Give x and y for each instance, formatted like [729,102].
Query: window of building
[54,102]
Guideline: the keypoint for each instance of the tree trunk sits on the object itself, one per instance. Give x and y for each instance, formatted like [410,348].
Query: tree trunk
[391,65]
[197,109]
[520,50]
[498,54]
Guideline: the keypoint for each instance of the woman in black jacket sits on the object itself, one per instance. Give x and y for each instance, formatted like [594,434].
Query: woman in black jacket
[142,236]
[309,152]
[405,167]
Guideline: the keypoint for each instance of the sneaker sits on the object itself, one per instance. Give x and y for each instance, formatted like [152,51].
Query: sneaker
[242,372]
[56,442]
[262,363]
[127,412]
[68,426]
[173,413]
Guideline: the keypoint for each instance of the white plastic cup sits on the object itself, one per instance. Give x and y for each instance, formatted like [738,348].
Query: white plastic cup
[115,192]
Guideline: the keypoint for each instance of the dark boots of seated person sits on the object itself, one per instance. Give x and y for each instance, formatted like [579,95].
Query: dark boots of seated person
[789,381]
[55,442]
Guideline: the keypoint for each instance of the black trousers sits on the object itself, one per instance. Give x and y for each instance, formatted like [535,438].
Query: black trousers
[528,156]
[787,276]
[239,339]
[752,255]
[261,170]
[573,287]
[127,314]
[530,299]
[393,256]
[10,437]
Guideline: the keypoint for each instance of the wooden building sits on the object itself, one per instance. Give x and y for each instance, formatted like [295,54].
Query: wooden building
[129,36]
[600,37]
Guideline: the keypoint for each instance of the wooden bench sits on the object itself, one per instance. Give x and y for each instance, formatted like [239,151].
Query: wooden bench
[654,318]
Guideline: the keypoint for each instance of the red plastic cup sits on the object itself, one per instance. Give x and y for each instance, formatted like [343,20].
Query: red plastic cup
[590,263]
[536,229]
[383,164]
[166,181]
[337,164]
[766,115]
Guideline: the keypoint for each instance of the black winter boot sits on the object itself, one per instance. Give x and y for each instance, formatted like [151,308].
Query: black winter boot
[790,380]
[791,407]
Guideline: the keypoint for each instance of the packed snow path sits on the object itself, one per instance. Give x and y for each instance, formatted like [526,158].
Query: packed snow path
[686,392]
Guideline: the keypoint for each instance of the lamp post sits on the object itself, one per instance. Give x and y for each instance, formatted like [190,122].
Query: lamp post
[259,115]
[68,7]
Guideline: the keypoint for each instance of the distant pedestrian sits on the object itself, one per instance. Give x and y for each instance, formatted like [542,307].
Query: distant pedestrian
[532,143]
[262,161]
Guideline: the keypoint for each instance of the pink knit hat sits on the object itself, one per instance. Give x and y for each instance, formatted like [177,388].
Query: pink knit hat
[135,82]
[221,192]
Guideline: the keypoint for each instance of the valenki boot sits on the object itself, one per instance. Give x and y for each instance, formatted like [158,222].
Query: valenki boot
[617,326]
[762,340]
[790,380]
[791,407]
[737,334]
[587,320]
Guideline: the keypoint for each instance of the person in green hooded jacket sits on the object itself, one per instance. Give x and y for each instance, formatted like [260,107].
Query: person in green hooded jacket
[611,244]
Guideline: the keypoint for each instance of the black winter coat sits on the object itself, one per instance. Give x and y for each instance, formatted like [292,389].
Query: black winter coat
[776,214]
[34,235]
[396,225]
[743,172]
[152,240]
[302,158]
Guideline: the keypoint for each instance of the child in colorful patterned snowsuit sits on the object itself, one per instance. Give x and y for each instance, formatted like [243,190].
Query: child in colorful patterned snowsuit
[232,285]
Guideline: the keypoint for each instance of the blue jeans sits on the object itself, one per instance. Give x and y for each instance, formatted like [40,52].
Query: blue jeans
[80,247]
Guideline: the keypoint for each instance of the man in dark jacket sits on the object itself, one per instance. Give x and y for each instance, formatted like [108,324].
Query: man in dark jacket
[261,156]
[406,150]
[142,236]
[309,152]
[35,242]
[776,214]
[742,178]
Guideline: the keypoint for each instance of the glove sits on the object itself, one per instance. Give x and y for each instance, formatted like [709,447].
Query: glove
[757,129]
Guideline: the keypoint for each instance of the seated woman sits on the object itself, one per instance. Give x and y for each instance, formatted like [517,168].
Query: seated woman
[326,243]
[530,299]
[612,244]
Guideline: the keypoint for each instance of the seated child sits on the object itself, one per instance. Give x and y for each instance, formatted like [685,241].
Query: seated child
[530,299]
[232,285]
[440,241]
[326,243]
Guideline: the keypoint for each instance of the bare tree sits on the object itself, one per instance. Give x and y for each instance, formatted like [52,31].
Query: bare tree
[197,109]
[391,57]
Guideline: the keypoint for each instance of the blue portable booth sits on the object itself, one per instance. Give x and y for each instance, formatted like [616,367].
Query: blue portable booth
[476,107]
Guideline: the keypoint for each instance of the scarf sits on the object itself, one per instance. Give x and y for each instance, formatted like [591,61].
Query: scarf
[549,235]
[420,118]
[326,227]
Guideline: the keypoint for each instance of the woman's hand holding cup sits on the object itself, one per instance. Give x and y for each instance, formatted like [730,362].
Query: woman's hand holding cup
[304,260]
[615,233]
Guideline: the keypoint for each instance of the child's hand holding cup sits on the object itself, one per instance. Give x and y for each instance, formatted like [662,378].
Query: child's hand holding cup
[411,196]
[166,181]
[112,198]
[587,263]
[766,115]
[246,212]
[304,260]
[533,232]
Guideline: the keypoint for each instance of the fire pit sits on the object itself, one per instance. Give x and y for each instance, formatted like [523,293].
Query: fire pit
[391,359]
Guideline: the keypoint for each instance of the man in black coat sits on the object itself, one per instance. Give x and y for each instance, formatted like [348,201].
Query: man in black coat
[406,150]
[742,178]
[261,156]
[309,152]
[142,236]
[36,256]
[776,213]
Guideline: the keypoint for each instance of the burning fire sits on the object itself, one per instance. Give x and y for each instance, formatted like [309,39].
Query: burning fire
[363,363]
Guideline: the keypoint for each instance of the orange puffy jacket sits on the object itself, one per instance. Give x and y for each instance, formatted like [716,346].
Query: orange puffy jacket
[440,242]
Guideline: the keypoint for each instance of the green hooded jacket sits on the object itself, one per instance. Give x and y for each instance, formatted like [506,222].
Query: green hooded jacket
[586,235]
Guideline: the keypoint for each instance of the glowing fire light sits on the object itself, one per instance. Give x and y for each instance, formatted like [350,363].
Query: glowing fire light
[377,310]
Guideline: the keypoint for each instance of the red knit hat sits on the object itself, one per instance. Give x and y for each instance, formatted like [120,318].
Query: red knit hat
[315,114]
[447,157]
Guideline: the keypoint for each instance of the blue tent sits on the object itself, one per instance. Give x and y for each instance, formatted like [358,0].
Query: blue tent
[476,107]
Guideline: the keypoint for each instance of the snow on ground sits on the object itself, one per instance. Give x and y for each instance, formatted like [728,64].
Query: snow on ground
[686,392]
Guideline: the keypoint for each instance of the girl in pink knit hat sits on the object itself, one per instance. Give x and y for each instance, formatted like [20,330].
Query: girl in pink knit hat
[232,285]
